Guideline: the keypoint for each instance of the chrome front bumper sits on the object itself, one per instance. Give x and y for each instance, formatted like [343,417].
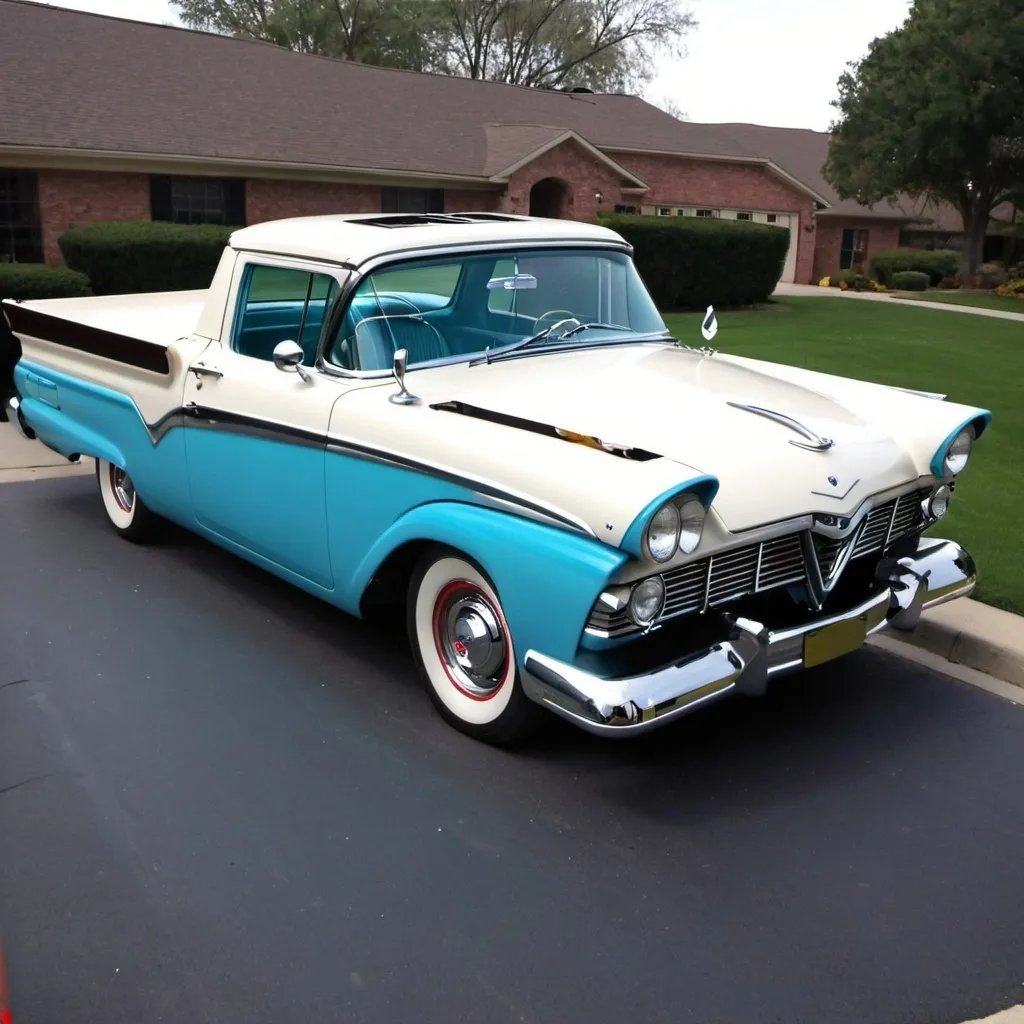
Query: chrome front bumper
[938,571]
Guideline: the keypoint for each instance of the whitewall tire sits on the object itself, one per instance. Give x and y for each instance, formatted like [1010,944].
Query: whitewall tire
[126,511]
[464,648]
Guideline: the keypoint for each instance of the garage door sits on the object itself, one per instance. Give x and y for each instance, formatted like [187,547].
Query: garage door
[784,220]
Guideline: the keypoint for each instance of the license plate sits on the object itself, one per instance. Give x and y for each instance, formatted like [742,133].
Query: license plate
[833,641]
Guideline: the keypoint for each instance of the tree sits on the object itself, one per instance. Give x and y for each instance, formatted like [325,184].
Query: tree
[936,110]
[605,45]
[670,106]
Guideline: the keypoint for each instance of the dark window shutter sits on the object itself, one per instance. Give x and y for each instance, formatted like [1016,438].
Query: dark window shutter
[435,200]
[234,199]
[389,200]
[160,197]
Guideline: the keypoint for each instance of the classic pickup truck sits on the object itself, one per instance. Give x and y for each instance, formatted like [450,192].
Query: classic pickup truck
[478,426]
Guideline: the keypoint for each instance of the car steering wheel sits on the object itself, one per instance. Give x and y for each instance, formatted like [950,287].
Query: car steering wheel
[567,314]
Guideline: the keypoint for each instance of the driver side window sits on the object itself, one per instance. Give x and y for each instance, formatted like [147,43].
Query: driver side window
[282,304]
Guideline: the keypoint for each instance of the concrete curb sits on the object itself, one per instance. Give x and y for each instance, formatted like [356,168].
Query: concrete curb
[966,632]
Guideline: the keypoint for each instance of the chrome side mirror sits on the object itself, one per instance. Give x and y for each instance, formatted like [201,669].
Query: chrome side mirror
[402,396]
[288,356]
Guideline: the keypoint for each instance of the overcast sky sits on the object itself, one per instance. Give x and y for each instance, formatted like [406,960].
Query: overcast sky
[760,61]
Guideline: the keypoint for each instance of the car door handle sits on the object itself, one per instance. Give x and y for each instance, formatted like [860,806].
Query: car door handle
[202,368]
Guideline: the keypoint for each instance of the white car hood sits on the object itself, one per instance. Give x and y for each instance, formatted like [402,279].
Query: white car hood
[676,403]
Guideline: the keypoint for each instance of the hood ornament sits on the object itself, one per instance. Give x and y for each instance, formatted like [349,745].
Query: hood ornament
[812,442]
[709,326]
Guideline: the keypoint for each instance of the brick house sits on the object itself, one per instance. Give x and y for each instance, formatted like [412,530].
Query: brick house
[108,119]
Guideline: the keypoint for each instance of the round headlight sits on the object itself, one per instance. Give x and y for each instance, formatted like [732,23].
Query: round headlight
[663,533]
[691,525]
[938,504]
[959,452]
[646,601]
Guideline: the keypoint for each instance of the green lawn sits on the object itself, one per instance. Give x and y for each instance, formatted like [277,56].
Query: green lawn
[984,299]
[974,360]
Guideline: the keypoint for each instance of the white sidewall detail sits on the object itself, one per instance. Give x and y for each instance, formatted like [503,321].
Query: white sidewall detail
[121,519]
[437,577]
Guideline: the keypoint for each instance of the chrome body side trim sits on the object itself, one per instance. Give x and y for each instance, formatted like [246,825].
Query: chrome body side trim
[750,654]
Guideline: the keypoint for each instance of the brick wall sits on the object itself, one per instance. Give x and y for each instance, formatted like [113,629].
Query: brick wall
[469,200]
[69,198]
[882,235]
[572,164]
[676,181]
[273,199]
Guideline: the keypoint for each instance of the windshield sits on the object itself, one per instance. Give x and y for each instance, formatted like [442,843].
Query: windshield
[475,304]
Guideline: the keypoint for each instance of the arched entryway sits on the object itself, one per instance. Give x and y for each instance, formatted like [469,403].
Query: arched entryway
[551,197]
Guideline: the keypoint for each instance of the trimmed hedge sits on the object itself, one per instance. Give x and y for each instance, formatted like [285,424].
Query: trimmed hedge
[936,263]
[145,256]
[910,280]
[39,281]
[692,263]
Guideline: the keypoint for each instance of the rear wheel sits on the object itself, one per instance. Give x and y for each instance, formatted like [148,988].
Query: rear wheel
[127,512]
[462,643]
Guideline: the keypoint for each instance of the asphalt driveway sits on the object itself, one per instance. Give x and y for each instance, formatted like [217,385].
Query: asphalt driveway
[223,801]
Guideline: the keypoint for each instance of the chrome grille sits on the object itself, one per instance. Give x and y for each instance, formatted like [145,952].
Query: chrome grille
[770,565]
[889,522]
[827,550]
[758,567]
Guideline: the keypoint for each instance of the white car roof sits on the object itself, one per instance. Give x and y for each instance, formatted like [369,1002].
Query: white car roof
[355,238]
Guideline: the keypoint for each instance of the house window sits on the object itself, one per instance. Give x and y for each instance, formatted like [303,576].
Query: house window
[412,200]
[197,200]
[771,218]
[623,208]
[744,216]
[853,248]
[663,211]
[707,213]
[21,236]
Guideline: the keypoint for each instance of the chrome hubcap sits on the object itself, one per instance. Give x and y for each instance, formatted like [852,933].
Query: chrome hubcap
[123,488]
[470,639]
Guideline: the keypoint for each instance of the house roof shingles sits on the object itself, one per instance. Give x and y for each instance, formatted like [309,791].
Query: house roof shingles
[139,88]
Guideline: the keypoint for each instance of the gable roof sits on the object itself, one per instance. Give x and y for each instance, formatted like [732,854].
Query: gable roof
[802,152]
[511,146]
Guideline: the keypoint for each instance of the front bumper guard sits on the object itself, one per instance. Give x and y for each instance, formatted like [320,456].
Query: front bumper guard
[938,571]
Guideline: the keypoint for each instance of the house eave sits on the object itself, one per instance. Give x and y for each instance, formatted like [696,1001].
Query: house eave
[57,158]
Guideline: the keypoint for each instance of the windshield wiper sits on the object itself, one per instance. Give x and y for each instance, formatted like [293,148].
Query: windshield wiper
[587,327]
[507,350]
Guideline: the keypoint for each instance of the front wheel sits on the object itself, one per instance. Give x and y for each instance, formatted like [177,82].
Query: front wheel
[462,643]
[127,512]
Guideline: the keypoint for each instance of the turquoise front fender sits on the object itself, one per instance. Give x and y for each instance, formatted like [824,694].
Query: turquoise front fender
[547,578]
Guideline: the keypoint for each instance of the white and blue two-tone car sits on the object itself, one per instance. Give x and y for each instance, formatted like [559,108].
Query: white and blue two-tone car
[481,421]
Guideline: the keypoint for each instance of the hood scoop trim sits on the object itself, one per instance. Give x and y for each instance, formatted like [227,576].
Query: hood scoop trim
[518,423]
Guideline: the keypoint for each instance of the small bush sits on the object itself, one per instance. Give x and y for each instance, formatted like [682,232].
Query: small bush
[936,263]
[1011,289]
[991,275]
[38,281]
[692,263]
[910,280]
[825,282]
[144,256]
[949,284]
[847,279]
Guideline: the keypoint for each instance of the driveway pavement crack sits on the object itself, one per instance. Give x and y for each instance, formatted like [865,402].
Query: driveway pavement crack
[25,782]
